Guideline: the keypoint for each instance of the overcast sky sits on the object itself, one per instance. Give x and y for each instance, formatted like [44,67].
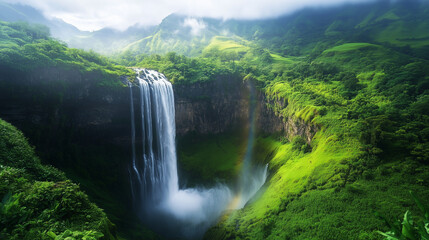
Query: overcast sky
[120,14]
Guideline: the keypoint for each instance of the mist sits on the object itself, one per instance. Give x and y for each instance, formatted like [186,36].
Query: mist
[95,14]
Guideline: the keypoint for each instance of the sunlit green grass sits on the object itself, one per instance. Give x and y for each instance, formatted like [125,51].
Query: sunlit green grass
[349,47]
[225,44]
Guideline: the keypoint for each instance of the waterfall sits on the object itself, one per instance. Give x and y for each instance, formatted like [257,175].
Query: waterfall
[158,174]
[174,212]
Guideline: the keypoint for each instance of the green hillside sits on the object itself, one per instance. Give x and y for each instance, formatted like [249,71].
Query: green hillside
[365,95]
[349,83]
[38,200]
[25,47]
[362,97]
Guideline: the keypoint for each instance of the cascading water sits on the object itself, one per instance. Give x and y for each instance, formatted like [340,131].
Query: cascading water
[157,177]
[174,212]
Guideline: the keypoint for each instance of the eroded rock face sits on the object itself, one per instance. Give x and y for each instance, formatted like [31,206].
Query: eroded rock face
[212,107]
[267,121]
[297,127]
[74,123]
[270,121]
[223,104]
[64,100]
[78,125]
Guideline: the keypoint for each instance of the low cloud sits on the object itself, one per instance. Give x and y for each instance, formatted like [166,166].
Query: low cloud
[96,14]
[196,25]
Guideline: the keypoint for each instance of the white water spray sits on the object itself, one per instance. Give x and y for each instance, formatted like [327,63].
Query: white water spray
[177,213]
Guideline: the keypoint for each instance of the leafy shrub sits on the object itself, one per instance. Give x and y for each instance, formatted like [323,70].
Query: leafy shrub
[16,152]
[299,144]
[409,229]
[38,202]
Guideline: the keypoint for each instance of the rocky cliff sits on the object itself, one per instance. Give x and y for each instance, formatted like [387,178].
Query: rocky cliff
[68,115]
[272,121]
[76,125]
[223,104]
[83,127]
[211,107]
[56,106]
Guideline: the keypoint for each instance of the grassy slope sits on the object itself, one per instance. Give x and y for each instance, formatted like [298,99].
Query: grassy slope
[363,96]
[307,197]
[333,191]
[38,201]
[225,45]
[399,27]
[336,187]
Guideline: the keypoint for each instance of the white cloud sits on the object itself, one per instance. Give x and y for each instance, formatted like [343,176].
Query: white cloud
[195,25]
[120,14]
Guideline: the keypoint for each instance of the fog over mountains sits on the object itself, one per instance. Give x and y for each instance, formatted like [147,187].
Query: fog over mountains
[366,20]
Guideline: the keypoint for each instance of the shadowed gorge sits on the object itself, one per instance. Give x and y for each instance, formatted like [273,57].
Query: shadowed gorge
[174,212]
[312,124]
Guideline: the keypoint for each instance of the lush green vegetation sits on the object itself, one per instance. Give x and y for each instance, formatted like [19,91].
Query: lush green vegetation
[38,202]
[26,47]
[355,76]
[408,228]
[180,69]
[367,101]
[27,50]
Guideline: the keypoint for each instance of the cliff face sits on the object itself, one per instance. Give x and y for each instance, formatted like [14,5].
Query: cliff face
[79,126]
[223,104]
[74,123]
[83,128]
[270,121]
[68,116]
[267,121]
[65,102]
[211,107]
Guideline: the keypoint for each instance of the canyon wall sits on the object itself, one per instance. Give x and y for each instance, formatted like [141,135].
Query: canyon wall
[68,115]
[211,107]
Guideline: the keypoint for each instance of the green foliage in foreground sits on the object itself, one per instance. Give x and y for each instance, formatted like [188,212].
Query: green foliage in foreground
[321,195]
[38,202]
[366,95]
[25,47]
[408,228]
[367,101]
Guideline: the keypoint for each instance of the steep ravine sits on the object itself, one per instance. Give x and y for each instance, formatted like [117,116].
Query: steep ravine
[83,128]
[77,125]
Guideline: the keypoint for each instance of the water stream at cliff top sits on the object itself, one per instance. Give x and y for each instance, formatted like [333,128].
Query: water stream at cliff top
[174,212]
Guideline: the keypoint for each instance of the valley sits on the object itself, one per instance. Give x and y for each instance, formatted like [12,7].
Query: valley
[310,125]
